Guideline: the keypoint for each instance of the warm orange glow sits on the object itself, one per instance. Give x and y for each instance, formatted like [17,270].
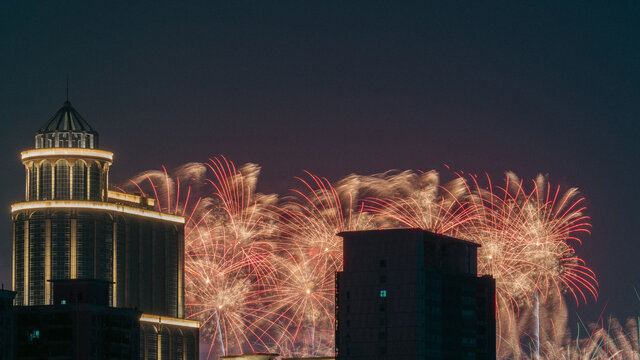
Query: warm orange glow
[116,195]
[130,198]
[61,152]
[169,321]
[94,205]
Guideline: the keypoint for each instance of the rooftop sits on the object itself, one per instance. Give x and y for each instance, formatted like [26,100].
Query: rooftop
[67,119]
[398,231]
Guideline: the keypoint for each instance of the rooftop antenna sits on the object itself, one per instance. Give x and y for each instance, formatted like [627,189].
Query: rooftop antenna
[67,89]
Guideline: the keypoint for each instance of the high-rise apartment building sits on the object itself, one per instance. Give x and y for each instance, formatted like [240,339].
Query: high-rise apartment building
[79,325]
[408,294]
[71,226]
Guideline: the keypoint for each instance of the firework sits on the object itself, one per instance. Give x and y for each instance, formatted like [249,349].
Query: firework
[260,270]
[173,194]
[526,240]
[608,340]
[229,261]
[611,342]
[525,235]
[228,249]
[419,201]
[311,253]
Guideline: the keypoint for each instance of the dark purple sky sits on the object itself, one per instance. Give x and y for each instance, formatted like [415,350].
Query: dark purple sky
[338,87]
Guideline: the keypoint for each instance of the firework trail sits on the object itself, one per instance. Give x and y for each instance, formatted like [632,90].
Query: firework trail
[525,237]
[603,341]
[260,270]
[536,228]
[613,342]
[173,194]
[311,253]
[519,342]
[228,261]
[419,201]
[228,249]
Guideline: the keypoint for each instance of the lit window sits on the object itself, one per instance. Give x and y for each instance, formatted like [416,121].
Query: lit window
[63,302]
[35,334]
[383,293]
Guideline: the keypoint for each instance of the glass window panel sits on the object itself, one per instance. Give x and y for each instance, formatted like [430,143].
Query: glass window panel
[121,238]
[146,271]
[36,259]
[166,347]
[79,181]
[94,182]
[104,250]
[45,181]
[190,346]
[63,182]
[159,270]
[60,246]
[177,345]
[151,340]
[133,263]
[33,183]
[172,270]
[19,259]
[85,234]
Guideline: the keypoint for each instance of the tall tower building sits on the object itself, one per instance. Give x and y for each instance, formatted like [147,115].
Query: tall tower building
[71,226]
[412,294]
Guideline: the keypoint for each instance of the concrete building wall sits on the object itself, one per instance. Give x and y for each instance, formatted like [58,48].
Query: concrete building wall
[411,294]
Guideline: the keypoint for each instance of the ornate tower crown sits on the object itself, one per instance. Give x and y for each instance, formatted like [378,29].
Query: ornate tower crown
[67,129]
[66,163]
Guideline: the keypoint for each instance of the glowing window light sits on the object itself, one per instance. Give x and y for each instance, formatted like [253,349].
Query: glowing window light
[64,204]
[93,153]
[383,293]
[169,321]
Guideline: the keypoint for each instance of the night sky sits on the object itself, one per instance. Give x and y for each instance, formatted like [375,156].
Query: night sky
[340,87]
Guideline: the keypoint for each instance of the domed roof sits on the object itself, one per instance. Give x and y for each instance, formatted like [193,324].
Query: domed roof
[67,119]
[68,129]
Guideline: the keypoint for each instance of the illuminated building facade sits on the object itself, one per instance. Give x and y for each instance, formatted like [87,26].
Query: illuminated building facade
[71,226]
[412,294]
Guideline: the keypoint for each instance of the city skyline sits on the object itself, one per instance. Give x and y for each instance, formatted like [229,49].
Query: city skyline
[337,89]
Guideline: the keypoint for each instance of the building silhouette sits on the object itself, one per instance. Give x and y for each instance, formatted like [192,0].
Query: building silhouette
[412,294]
[6,323]
[252,356]
[71,226]
[80,325]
